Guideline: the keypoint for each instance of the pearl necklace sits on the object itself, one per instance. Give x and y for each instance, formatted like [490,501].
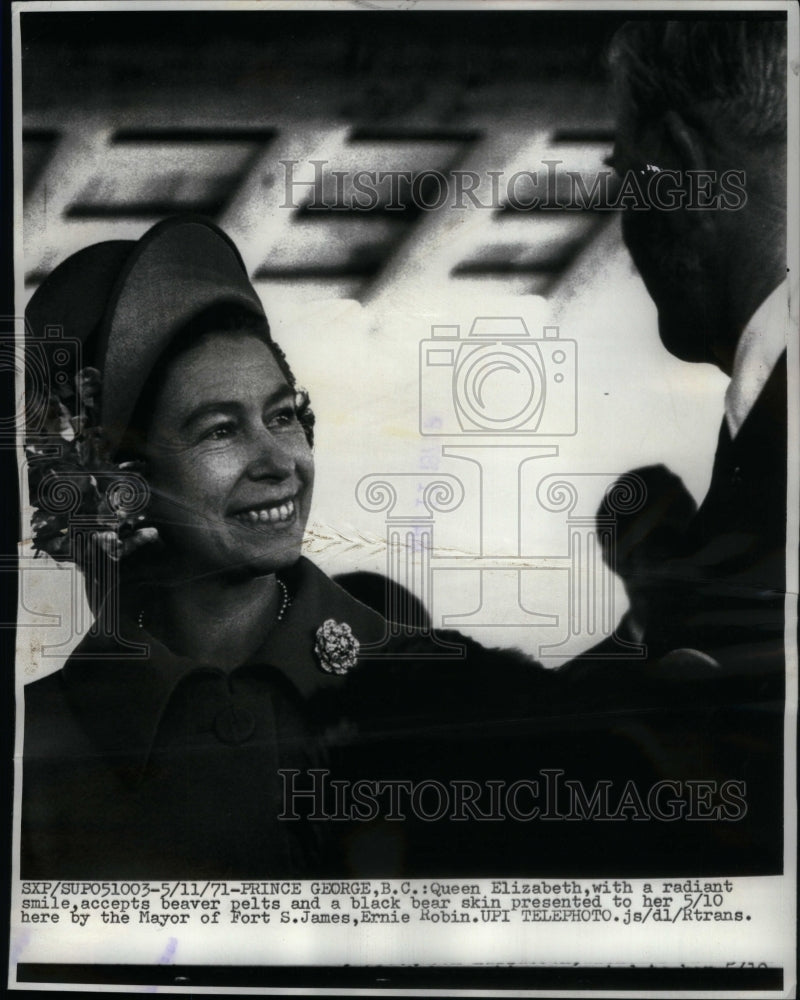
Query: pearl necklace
[285,602]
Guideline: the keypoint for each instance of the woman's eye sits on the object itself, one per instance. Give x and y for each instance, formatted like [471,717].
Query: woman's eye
[219,432]
[284,417]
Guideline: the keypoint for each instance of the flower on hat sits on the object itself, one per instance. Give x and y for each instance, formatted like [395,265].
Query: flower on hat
[71,474]
[336,647]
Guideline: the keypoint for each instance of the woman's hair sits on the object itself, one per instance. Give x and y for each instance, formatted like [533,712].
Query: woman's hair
[220,318]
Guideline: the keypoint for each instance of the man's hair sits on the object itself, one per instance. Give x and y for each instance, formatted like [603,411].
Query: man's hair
[727,75]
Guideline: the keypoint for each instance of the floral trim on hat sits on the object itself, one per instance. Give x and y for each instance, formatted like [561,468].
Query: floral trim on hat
[72,477]
[336,647]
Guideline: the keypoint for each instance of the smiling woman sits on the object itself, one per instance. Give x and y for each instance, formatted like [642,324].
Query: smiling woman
[187,445]
[229,456]
[231,472]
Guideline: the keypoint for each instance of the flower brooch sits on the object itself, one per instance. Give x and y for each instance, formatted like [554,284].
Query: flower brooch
[336,647]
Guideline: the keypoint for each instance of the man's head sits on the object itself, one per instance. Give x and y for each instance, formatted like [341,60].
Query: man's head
[705,99]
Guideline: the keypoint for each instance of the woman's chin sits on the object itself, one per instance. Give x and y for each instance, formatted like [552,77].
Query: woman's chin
[272,564]
[263,559]
[237,554]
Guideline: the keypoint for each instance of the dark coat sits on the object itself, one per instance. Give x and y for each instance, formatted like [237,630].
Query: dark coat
[622,728]
[714,634]
[165,768]
[728,582]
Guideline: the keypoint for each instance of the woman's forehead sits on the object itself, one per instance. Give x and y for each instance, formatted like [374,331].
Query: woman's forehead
[235,367]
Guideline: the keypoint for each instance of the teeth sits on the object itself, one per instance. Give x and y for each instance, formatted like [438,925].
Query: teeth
[269,515]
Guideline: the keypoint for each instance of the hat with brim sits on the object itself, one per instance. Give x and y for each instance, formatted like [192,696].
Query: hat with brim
[125,301]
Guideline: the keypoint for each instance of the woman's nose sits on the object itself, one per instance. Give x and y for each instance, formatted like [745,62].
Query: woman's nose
[270,458]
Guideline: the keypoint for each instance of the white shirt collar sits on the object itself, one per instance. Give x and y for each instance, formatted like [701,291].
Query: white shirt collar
[761,344]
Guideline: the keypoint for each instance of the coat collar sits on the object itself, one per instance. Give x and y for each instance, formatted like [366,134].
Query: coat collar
[763,431]
[119,697]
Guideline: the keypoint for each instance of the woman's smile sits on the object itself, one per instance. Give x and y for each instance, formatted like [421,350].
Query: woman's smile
[229,464]
[268,515]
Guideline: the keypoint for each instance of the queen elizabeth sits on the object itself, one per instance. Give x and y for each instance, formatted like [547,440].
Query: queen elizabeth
[156,749]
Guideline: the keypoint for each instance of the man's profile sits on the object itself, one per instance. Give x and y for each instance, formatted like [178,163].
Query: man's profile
[702,100]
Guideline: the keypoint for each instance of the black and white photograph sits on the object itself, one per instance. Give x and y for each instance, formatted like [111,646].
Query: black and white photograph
[404,405]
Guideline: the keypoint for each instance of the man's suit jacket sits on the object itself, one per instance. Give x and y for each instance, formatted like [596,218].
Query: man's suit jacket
[715,632]
[727,583]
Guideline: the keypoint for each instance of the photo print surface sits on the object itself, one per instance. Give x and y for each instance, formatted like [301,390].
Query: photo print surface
[408,487]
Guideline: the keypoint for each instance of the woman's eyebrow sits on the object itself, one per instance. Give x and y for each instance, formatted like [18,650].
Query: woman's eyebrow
[233,407]
[214,406]
[284,394]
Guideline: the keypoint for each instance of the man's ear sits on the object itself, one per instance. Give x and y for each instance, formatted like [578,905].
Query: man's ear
[686,141]
[693,156]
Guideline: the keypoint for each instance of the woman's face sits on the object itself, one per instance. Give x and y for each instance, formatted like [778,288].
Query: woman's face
[228,462]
